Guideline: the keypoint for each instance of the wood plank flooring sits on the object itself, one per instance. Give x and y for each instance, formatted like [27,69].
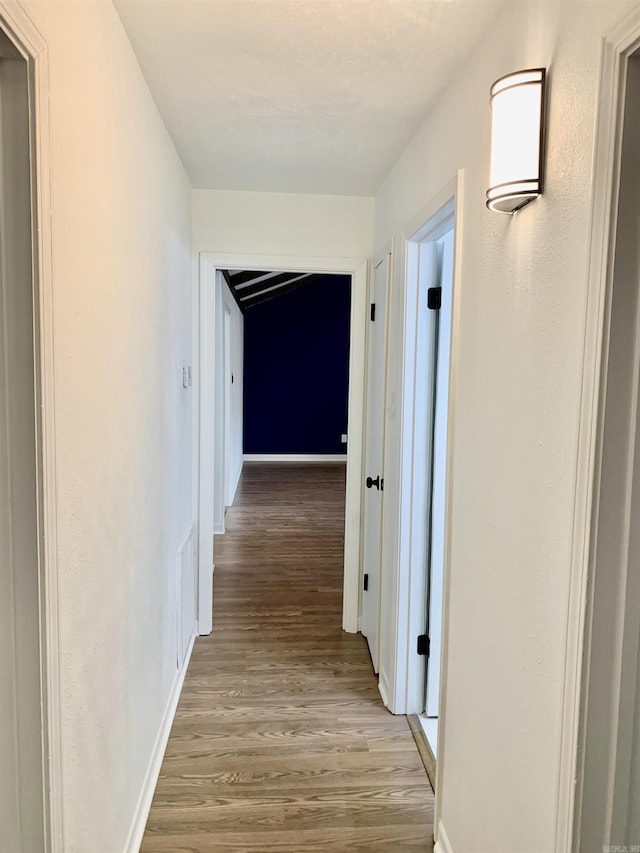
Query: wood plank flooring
[280,741]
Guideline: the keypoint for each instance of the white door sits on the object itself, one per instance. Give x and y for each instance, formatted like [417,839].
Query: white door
[442,342]
[21,761]
[374,450]
[228,496]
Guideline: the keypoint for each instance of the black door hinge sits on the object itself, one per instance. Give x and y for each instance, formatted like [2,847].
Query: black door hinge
[434,298]
[366,583]
[373,311]
[424,645]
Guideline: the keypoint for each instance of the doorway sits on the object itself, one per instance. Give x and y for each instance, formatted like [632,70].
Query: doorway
[435,271]
[22,797]
[430,291]
[608,790]
[211,267]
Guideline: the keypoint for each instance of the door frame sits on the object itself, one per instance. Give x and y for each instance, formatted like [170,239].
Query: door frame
[404,622]
[417,488]
[210,264]
[401,544]
[23,33]
[618,45]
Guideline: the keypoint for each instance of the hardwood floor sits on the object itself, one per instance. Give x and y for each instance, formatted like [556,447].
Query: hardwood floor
[281,741]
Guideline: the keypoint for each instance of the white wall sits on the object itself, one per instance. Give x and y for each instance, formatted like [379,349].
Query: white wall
[122,324]
[282,224]
[522,326]
[233,451]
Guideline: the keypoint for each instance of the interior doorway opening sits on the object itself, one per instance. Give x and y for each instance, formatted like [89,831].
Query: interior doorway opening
[430,267]
[431,253]
[216,274]
[608,767]
[436,282]
[22,785]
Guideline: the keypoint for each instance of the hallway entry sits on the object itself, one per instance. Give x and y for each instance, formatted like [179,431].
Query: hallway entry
[281,741]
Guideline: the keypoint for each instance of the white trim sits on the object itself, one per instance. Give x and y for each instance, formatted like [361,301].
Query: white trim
[357,268]
[399,455]
[145,798]
[413,540]
[620,42]
[21,30]
[458,283]
[443,845]
[295,457]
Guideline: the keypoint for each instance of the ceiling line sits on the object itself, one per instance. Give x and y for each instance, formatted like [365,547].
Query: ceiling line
[275,287]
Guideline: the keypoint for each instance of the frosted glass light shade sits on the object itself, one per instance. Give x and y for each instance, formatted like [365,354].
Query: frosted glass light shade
[517,135]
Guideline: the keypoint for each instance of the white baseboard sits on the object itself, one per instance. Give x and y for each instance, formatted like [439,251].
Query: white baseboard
[295,457]
[143,806]
[443,844]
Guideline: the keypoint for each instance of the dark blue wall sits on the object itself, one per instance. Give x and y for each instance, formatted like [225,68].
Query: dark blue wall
[296,369]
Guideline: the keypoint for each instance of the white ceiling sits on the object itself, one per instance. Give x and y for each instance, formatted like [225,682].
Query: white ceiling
[308,96]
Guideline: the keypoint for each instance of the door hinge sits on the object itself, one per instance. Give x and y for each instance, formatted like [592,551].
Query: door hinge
[424,645]
[373,312]
[366,583]
[434,298]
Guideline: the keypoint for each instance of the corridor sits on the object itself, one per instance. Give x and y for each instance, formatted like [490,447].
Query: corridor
[281,741]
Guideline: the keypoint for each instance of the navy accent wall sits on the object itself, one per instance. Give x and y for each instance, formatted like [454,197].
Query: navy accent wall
[296,369]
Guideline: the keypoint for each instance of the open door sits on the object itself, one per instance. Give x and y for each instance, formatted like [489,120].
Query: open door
[440,308]
[374,451]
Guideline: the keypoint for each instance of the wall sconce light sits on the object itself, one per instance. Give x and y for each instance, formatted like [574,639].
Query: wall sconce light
[517,140]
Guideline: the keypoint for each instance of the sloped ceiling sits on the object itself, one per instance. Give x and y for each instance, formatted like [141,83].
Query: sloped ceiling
[308,96]
[251,287]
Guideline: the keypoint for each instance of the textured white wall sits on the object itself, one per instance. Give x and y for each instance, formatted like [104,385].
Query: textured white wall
[522,327]
[122,325]
[282,224]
